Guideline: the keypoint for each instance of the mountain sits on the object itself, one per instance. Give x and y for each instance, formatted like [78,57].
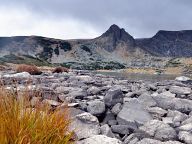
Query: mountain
[115,48]
[168,44]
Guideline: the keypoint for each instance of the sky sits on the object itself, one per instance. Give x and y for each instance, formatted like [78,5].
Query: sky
[72,19]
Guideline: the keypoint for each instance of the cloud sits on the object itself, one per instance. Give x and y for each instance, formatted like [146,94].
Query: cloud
[89,18]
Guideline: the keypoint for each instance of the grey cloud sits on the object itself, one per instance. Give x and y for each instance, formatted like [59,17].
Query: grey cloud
[141,18]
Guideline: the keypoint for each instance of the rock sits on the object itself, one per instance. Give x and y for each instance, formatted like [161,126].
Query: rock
[158,130]
[120,129]
[116,108]
[187,121]
[100,139]
[186,127]
[157,112]
[85,79]
[108,117]
[133,113]
[106,130]
[185,137]
[147,100]
[152,141]
[51,102]
[93,90]
[35,101]
[18,75]
[168,94]
[81,94]
[182,105]
[180,90]
[182,79]
[96,107]
[131,139]
[176,117]
[113,97]
[85,125]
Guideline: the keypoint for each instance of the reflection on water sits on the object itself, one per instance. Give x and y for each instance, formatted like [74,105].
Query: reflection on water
[136,76]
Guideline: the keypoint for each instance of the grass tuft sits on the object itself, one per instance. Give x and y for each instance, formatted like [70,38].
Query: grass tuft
[60,70]
[22,124]
[33,70]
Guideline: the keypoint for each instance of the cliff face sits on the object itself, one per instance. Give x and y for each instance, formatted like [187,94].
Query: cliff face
[168,44]
[115,45]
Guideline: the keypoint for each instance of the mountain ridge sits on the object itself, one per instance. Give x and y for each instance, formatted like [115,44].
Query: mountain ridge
[114,45]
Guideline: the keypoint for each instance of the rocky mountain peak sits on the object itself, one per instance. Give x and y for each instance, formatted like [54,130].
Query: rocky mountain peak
[117,33]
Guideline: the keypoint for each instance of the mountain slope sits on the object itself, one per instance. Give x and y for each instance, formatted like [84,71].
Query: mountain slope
[168,44]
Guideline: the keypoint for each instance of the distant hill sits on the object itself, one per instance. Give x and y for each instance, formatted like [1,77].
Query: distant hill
[113,49]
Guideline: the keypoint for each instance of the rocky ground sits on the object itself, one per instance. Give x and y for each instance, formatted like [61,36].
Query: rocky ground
[109,110]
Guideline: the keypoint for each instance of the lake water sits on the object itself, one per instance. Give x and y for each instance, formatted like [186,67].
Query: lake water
[136,76]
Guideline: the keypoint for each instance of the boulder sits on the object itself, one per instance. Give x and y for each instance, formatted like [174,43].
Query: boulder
[100,139]
[106,130]
[120,129]
[147,100]
[182,105]
[113,97]
[85,125]
[182,79]
[152,141]
[158,130]
[93,90]
[18,75]
[116,108]
[133,113]
[96,107]
[180,90]
[185,137]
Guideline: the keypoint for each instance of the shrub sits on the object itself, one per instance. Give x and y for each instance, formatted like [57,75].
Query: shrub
[60,70]
[22,124]
[33,70]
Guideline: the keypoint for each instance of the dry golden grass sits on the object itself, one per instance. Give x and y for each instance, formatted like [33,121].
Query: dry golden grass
[140,70]
[22,124]
[60,70]
[33,70]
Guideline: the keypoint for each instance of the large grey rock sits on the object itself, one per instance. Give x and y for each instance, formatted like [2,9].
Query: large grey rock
[93,90]
[85,79]
[182,78]
[85,125]
[120,129]
[157,112]
[100,139]
[147,100]
[182,105]
[106,130]
[158,130]
[113,97]
[133,113]
[152,141]
[96,107]
[180,90]
[18,75]
[176,117]
[116,108]
[131,139]
[186,127]
[185,137]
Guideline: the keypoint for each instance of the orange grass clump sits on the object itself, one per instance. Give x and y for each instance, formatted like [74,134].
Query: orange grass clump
[33,70]
[22,124]
[60,70]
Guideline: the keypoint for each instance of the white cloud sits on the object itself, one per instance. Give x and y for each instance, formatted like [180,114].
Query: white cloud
[14,22]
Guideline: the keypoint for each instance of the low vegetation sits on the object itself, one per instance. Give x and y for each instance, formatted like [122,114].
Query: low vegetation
[33,70]
[22,124]
[60,70]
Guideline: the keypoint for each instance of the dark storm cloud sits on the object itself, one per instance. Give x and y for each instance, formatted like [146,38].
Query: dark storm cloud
[141,18]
